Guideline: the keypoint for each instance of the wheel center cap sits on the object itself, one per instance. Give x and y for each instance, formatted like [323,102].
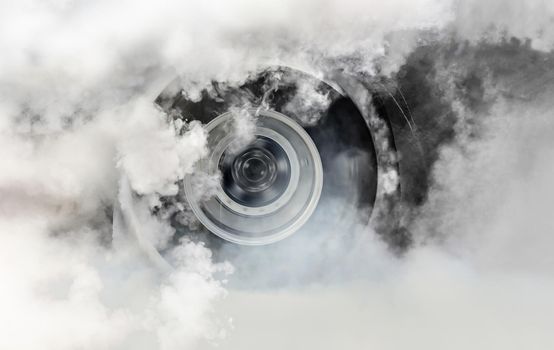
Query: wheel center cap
[255,170]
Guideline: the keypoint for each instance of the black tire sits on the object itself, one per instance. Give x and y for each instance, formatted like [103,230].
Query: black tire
[351,158]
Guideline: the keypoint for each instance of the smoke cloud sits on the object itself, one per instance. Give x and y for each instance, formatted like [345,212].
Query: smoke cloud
[82,145]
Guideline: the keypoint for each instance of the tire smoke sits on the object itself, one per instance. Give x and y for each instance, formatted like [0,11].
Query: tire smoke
[81,142]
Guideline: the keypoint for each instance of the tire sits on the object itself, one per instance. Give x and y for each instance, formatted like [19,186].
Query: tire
[352,139]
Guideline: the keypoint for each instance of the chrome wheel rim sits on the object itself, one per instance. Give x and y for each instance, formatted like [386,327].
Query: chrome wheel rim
[269,187]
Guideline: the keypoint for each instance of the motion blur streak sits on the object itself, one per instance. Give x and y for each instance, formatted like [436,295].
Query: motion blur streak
[77,81]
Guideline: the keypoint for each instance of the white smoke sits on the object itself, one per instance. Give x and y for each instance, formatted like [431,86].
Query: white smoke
[496,19]
[76,122]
